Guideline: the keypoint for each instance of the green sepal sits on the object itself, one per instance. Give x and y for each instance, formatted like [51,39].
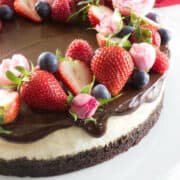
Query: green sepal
[124,42]
[70,97]
[146,35]
[88,88]
[4,131]
[106,101]
[74,116]
[91,119]
[22,70]
[8,87]
[59,55]
[12,77]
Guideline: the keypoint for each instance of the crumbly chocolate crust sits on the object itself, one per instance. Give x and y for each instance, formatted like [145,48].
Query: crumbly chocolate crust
[41,168]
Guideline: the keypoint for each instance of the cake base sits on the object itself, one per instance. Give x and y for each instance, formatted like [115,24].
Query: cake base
[41,168]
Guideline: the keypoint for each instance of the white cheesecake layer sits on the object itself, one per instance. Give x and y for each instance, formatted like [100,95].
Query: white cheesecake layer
[73,140]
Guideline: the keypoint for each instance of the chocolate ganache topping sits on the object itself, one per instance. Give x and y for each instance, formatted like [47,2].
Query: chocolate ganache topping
[31,39]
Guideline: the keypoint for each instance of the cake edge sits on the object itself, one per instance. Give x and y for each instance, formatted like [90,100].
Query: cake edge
[66,164]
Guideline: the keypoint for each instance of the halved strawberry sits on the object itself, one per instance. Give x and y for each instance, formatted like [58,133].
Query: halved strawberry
[96,13]
[26,8]
[9,106]
[75,74]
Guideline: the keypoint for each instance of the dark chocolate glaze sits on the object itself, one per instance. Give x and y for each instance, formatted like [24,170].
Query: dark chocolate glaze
[31,39]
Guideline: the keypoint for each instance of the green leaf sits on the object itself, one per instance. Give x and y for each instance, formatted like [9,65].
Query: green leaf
[70,97]
[4,131]
[146,35]
[100,109]
[87,89]
[22,70]
[124,42]
[59,55]
[91,119]
[138,32]
[74,116]
[106,101]
[12,77]
[76,13]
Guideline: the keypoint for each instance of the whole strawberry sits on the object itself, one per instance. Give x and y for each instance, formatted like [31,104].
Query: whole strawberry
[43,92]
[62,9]
[161,64]
[81,50]
[112,67]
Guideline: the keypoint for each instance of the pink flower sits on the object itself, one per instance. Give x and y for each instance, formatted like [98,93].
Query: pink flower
[139,6]
[110,24]
[10,64]
[84,106]
[143,55]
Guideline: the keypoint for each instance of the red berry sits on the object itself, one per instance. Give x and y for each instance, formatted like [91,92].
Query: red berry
[43,92]
[81,50]
[27,9]
[10,3]
[112,67]
[75,74]
[9,106]
[62,9]
[161,64]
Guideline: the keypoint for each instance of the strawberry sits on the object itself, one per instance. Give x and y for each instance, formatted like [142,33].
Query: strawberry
[75,74]
[62,9]
[81,50]
[161,64]
[27,9]
[43,92]
[10,3]
[156,39]
[96,13]
[9,106]
[112,67]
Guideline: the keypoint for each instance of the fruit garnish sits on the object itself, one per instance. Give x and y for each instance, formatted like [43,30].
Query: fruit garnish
[153,16]
[40,90]
[112,67]
[165,36]
[125,31]
[140,79]
[161,64]
[43,9]
[48,61]
[6,13]
[26,8]
[62,10]
[83,106]
[80,49]
[96,13]
[143,55]
[140,6]
[9,106]
[101,92]
[10,64]
[110,24]
[75,74]
[10,3]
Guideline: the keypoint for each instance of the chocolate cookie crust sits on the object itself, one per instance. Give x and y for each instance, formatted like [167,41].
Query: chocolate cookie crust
[42,168]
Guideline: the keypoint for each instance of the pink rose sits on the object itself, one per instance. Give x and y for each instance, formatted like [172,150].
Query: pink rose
[139,6]
[143,55]
[10,64]
[110,24]
[84,106]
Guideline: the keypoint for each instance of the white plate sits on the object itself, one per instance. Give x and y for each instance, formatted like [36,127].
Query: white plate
[157,156]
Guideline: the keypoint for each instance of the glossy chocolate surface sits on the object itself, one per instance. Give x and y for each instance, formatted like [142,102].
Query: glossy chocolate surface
[22,36]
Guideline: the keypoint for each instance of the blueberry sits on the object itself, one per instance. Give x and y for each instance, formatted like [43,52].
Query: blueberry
[48,61]
[101,92]
[165,36]
[125,31]
[6,13]
[43,9]
[153,16]
[140,79]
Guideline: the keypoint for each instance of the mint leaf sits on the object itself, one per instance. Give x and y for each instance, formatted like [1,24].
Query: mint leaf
[74,116]
[106,101]
[70,97]
[91,119]
[4,131]
[88,88]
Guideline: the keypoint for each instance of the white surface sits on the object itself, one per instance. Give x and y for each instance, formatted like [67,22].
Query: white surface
[157,157]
